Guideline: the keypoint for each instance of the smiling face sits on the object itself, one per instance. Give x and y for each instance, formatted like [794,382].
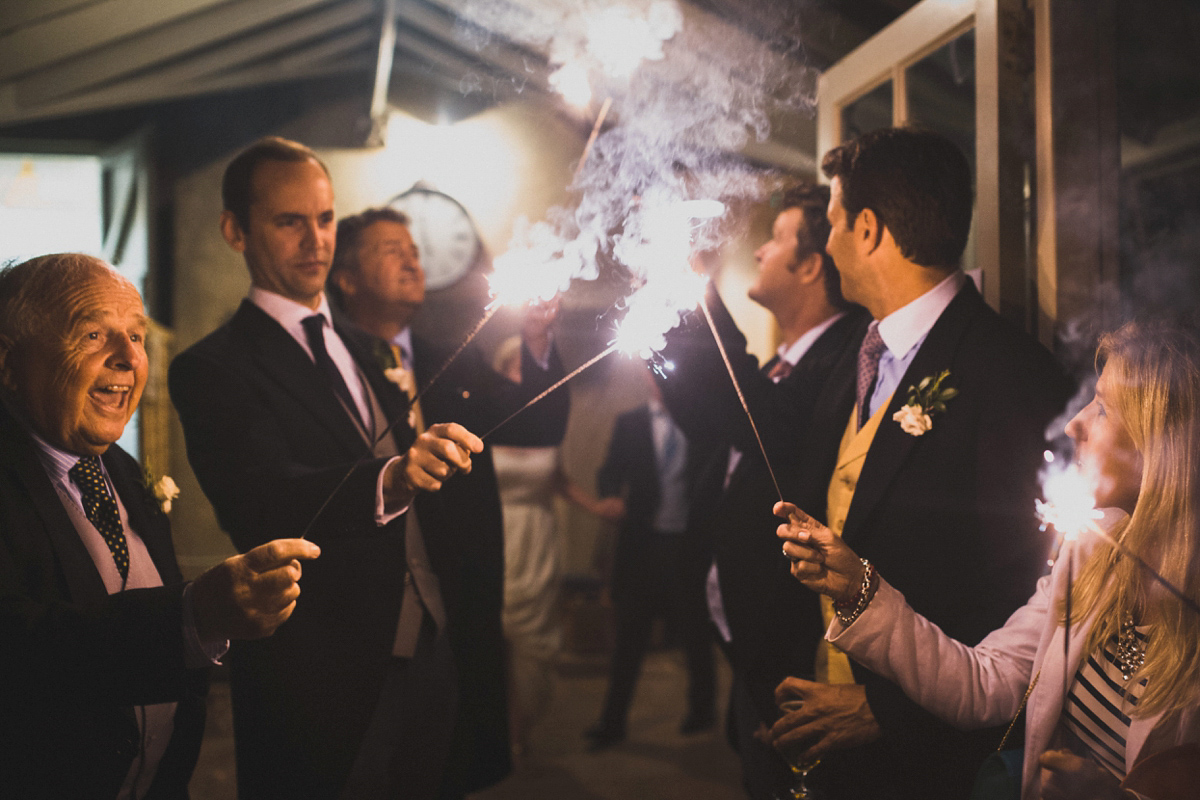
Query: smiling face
[1105,451]
[79,380]
[291,234]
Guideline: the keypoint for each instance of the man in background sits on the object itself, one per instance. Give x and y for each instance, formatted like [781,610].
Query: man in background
[944,508]
[285,418]
[646,483]
[105,647]
[378,283]
[768,629]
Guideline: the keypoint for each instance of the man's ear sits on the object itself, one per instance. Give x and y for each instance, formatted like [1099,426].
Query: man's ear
[231,229]
[809,268]
[868,230]
[345,283]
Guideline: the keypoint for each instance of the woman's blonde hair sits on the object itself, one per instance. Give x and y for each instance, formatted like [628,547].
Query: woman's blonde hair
[1154,374]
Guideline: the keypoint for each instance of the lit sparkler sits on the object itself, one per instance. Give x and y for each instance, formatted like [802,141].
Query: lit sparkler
[1070,507]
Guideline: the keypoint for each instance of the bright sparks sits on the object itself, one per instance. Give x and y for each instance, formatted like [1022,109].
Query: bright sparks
[571,81]
[661,252]
[1070,504]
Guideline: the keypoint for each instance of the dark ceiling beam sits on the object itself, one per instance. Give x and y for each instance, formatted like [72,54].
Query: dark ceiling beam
[88,27]
[142,56]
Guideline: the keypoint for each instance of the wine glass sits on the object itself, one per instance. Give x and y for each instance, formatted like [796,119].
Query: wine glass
[800,768]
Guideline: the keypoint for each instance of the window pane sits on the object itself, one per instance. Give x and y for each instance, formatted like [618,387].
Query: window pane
[870,112]
[941,92]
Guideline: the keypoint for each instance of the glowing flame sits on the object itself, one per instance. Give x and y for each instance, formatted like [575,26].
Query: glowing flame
[539,265]
[571,81]
[661,252]
[1070,504]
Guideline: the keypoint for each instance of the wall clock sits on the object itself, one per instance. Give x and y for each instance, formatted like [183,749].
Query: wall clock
[443,231]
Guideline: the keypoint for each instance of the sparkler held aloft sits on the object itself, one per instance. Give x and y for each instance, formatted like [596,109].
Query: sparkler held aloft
[1139,442]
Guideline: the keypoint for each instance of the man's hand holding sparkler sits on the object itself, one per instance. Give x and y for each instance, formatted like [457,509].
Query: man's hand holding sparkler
[832,717]
[436,455]
[820,560]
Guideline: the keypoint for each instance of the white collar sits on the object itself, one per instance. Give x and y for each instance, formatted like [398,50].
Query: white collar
[403,340]
[285,311]
[905,327]
[795,351]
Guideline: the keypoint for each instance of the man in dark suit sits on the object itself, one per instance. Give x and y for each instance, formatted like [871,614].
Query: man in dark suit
[378,283]
[941,498]
[646,480]
[105,648]
[285,417]
[769,629]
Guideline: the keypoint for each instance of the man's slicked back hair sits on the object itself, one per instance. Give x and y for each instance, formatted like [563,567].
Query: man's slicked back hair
[917,182]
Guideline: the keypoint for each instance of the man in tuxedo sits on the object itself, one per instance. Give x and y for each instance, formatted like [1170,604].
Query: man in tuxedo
[646,482]
[105,648]
[378,283]
[285,418]
[768,629]
[944,510]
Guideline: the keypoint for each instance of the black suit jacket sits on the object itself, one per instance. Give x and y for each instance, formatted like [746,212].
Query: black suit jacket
[270,442]
[774,621]
[472,394]
[76,660]
[947,517]
[631,468]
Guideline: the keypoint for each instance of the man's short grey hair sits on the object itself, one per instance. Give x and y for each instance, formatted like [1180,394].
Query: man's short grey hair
[31,290]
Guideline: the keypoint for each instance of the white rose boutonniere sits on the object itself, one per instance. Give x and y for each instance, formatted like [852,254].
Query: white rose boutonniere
[164,490]
[924,400]
[407,383]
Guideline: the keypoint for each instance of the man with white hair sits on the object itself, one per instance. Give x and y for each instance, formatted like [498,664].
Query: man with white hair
[105,647]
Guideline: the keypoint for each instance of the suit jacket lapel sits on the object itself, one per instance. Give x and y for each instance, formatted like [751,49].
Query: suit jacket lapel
[281,358]
[891,446]
[393,402]
[83,580]
[144,516]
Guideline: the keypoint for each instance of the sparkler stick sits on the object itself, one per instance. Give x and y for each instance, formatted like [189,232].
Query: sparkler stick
[725,357]
[1149,570]
[370,451]
[587,148]
[557,384]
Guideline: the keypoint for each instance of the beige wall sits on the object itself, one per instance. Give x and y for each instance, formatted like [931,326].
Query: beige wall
[506,162]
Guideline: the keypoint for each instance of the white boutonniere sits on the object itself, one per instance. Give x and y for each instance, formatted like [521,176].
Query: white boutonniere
[164,490]
[407,383]
[924,400]
[402,378]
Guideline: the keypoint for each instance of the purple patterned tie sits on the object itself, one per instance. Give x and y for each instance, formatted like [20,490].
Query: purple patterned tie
[868,369]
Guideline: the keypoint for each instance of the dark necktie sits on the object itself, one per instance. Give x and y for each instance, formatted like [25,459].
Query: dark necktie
[101,509]
[314,329]
[868,369]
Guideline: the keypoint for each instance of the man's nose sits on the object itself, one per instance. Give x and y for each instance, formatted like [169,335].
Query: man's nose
[126,354]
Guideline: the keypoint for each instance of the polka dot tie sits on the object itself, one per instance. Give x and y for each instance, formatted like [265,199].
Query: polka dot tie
[101,509]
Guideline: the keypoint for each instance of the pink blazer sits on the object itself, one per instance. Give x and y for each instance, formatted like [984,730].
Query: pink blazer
[981,686]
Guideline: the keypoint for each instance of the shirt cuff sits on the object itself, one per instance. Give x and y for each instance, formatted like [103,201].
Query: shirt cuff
[382,515]
[197,653]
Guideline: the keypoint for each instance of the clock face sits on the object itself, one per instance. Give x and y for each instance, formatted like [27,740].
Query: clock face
[443,232]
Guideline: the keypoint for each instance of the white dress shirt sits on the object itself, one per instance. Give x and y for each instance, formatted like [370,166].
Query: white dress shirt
[290,315]
[904,331]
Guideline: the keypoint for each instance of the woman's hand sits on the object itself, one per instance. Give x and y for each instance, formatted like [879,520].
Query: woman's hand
[1066,776]
[820,560]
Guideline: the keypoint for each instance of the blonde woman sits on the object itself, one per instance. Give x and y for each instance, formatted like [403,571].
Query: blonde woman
[1129,685]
